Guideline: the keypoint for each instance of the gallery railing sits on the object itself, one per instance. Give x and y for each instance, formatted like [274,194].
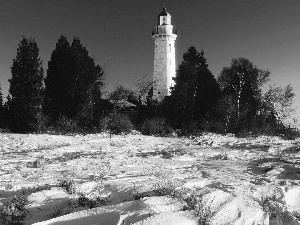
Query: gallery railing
[164,31]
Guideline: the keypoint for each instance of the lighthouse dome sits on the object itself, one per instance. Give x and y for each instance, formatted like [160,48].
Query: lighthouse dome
[164,12]
[164,18]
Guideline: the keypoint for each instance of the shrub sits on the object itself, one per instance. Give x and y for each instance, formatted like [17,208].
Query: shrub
[41,123]
[117,123]
[67,126]
[156,126]
[14,211]
[96,201]
[164,188]
[188,129]
[68,185]
[263,127]
[213,126]
[290,133]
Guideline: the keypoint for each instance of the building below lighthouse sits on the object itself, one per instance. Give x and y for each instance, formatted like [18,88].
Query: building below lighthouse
[164,36]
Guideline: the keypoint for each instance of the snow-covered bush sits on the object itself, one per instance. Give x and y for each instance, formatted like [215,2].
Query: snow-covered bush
[117,123]
[67,126]
[95,201]
[68,185]
[14,211]
[188,129]
[156,126]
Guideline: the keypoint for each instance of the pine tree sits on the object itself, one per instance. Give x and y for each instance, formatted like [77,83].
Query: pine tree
[196,90]
[26,88]
[1,97]
[86,85]
[58,100]
[1,108]
[73,84]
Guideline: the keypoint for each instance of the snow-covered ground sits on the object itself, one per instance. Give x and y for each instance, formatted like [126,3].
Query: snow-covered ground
[136,179]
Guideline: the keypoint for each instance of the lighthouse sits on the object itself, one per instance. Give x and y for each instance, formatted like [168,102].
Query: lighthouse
[164,36]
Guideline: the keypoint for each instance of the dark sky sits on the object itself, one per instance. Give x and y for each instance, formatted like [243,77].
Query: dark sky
[117,33]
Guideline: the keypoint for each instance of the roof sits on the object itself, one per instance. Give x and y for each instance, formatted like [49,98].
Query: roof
[122,103]
[164,12]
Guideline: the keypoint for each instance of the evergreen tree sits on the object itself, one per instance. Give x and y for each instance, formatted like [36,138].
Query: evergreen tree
[73,84]
[196,90]
[26,88]
[58,99]
[1,109]
[5,114]
[86,86]
[1,97]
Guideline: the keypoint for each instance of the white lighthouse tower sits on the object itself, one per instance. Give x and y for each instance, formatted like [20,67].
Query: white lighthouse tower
[164,36]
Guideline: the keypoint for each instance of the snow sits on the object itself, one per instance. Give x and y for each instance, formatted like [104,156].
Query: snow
[234,180]
[148,211]
[292,198]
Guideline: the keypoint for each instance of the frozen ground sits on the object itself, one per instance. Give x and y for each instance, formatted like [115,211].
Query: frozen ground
[138,179]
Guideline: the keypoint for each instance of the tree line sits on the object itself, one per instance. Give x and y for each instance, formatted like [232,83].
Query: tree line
[233,103]
[70,96]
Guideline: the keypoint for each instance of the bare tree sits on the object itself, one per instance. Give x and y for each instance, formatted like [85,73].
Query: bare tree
[279,102]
